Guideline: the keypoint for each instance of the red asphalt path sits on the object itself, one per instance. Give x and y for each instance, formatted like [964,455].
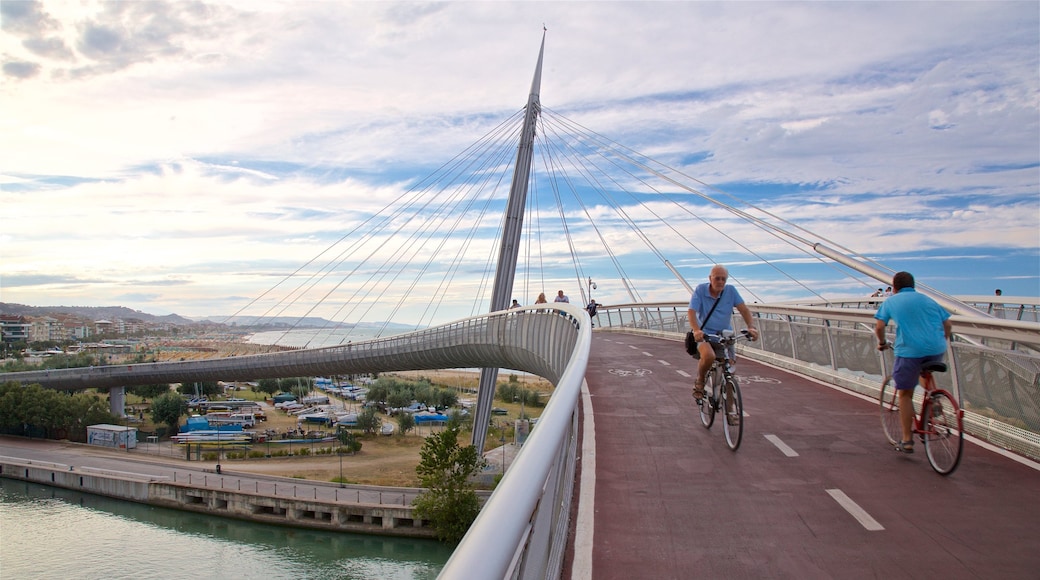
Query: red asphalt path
[672,501]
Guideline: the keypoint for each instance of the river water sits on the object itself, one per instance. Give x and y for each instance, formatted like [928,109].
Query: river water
[50,532]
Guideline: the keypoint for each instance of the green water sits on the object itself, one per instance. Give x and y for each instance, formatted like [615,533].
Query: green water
[49,532]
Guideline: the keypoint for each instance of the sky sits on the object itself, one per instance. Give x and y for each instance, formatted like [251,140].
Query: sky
[185,157]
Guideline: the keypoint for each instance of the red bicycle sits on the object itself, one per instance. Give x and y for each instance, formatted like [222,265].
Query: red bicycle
[939,424]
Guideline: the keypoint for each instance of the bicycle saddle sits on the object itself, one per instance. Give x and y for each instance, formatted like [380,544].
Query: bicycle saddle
[934,366]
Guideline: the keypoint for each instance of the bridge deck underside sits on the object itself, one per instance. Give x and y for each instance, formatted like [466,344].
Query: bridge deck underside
[672,501]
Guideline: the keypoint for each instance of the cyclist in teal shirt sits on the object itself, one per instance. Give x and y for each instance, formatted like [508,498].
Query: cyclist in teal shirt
[922,331]
[703,300]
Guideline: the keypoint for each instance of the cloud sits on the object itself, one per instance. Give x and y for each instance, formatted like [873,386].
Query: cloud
[203,151]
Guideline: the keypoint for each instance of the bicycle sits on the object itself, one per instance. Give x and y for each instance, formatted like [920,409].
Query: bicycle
[728,397]
[940,423]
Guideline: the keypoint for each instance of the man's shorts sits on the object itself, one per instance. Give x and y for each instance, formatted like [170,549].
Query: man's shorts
[907,371]
[731,350]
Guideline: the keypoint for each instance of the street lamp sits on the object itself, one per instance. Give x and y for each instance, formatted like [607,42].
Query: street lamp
[592,286]
[219,449]
[502,440]
[339,451]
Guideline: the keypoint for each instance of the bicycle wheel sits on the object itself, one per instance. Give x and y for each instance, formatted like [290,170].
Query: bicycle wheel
[943,434]
[890,411]
[707,403]
[733,410]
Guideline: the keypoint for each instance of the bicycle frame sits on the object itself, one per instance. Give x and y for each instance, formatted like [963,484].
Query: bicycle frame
[939,423]
[724,393]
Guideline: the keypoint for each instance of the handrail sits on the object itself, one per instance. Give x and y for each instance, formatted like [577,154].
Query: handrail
[509,538]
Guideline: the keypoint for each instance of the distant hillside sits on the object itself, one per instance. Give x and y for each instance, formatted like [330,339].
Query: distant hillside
[278,321]
[124,313]
[91,312]
[309,322]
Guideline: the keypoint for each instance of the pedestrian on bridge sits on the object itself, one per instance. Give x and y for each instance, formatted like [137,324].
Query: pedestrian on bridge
[561,297]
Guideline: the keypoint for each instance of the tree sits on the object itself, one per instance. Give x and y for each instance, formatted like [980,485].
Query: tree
[207,388]
[268,386]
[348,440]
[449,501]
[149,391]
[168,409]
[405,422]
[368,421]
[446,399]
[399,399]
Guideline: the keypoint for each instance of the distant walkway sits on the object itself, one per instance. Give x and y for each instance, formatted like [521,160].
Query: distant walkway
[813,492]
[201,475]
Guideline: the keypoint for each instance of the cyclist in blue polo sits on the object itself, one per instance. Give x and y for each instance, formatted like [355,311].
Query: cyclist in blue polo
[714,300]
[922,331]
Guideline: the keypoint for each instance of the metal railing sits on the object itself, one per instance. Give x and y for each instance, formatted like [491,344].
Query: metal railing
[994,370]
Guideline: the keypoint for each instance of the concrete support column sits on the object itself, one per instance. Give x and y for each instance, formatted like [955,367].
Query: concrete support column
[117,400]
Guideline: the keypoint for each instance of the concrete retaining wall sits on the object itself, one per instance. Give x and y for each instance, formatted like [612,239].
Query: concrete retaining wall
[157,491]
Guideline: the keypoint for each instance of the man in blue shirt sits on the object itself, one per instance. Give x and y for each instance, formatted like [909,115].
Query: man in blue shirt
[922,329]
[704,298]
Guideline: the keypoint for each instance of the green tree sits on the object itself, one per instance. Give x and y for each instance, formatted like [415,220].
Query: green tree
[149,391]
[348,440]
[207,388]
[446,399]
[405,423]
[268,386]
[368,421]
[167,409]
[449,501]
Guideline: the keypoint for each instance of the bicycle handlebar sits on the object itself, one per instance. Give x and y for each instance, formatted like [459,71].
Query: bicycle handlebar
[728,339]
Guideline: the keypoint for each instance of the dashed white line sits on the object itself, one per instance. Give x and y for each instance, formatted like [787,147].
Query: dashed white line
[683,373]
[664,362]
[855,511]
[783,447]
[632,346]
[647,353]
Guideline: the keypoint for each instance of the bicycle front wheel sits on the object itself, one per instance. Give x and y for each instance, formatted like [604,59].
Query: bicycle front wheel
[707,403]
[890,411]
[733,407]
[943,433]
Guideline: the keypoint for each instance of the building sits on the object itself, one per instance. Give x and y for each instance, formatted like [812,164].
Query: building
[14,328]
[116,436]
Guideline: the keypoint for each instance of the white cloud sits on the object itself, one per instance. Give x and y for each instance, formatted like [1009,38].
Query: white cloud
[193,153]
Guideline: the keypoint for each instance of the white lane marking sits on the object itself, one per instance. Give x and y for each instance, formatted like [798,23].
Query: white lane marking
[581,568]
[633,347]
[683,373]
[783,447]
[855,511]
[647,354]
[664,362]
[1035,465]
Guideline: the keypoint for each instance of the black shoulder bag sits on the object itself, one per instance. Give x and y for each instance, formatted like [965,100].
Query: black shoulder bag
[691,342]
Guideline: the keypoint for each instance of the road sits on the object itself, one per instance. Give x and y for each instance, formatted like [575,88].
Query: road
[814,491]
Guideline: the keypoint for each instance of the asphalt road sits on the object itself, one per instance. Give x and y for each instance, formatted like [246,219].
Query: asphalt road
[814,491]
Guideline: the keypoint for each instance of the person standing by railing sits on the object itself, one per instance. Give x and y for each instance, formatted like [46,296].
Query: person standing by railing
[711,309]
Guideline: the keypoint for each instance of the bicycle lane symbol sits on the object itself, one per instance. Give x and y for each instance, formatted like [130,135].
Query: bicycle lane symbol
[629,373]
[758,379]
